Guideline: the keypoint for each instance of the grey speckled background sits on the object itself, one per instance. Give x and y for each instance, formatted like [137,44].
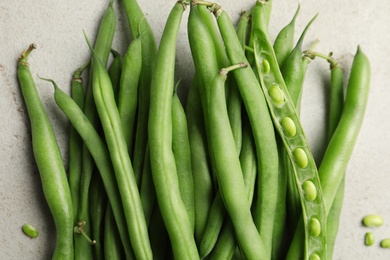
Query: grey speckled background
[56,27]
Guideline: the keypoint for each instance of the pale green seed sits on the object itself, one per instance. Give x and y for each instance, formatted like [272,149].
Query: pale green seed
[314,227]
[369,239]
[288,126]
[310,190]
[373,220]
[314,257]
[276,94]
[300,157]
[266,67]
[385,243]
[30,231]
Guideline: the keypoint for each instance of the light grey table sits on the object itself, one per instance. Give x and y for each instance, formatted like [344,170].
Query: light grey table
[56,27]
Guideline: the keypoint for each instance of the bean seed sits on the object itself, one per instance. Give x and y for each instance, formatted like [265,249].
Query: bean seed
[373,220]
[30,231]
[314,227]
[310,190]
[266,66]
[369,239]
[276,94]
[288,126]
[385,243]
[300,157]
[314,257]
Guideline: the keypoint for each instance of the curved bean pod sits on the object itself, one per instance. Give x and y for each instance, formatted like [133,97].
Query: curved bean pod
[162,158]
[49,161]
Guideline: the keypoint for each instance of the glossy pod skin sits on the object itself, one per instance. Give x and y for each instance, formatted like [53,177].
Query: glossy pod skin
[160,142]
[124,173]
[262,127]
[304,167]
[228,169]
[101,156]
[49,162]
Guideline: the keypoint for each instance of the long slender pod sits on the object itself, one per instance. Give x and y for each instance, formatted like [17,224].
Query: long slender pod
[124,173]
[115,71]
[200,165]
[128,91]
[162,158]
[262,126]
[113,247]
[288,125]
[139,25]
[182,152]
[49,161]
[101,156]
[284,41]
[229,172]
[344,138]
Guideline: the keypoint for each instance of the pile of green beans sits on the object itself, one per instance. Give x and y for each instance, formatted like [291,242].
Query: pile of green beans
[224,171]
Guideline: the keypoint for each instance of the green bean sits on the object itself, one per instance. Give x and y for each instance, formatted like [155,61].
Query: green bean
[294,69]
[115,71]
[128,91]
[100,154]
[206,66]
[284,42]
[116,143]
[264,135]
[336,99]
[200,164]
[77,181]
[340,147]
[139,25]
[182,153]
[76,143]
[113,249]
[30,231]
[160,142]
[229,172]
[297,147]
[49,161]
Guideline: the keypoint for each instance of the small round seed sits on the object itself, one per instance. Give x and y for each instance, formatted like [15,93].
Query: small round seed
[288,126]
[30,231]
[369,239]
[385,243]
[266,67]
[310,190]
[373,220]
[276,94]
[314,227]
[314,257]
[300,157]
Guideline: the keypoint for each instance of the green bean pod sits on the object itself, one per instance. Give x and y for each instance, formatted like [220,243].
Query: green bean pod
[200,164]
[76,143]
[182,152]
[284,41]
[115,71]
[124,173]
[162,159]
[128,91]
[100,154]
[147,190]
[229,172]
[262,127]
[49,161]
[139,25]
[340,147]
[293,137]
